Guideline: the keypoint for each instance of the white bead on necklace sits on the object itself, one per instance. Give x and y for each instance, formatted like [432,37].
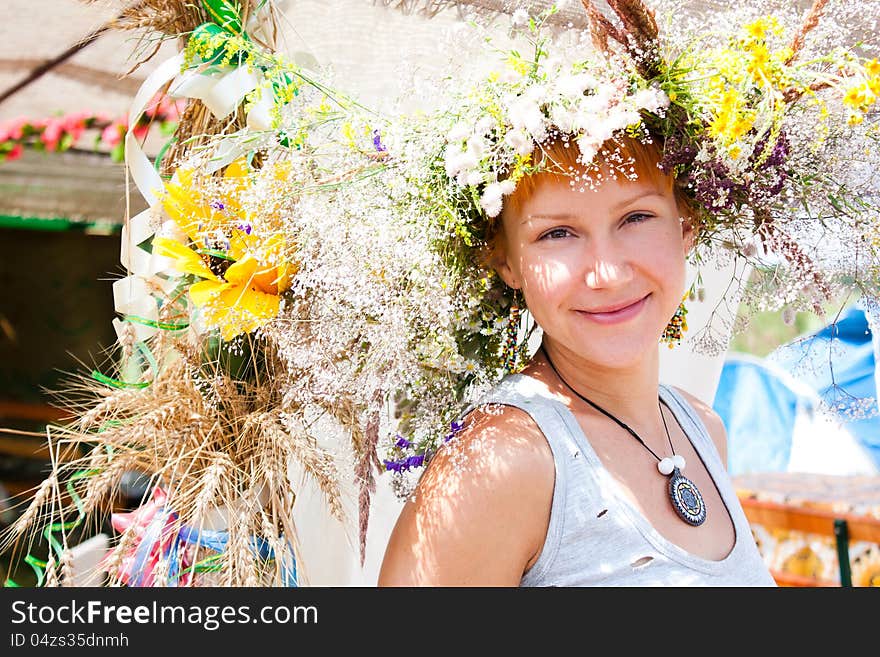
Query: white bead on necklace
[668,464]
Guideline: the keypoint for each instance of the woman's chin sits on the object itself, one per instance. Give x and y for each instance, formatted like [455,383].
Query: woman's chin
[621,351]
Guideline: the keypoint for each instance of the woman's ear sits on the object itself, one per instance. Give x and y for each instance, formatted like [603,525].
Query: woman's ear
[500,262]
[503,269]
[688,233]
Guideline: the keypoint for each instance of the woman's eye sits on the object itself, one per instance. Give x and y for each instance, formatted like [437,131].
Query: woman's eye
[555,234]
[636,218]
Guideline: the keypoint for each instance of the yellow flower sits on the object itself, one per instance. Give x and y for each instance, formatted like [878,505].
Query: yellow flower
[518,64]
[740,127]
[246,298]
[757,67]
[242,282]
[758,29]
[854,97]
[735,152]
[348,133]
[243,297]
[872,67]
[195,215]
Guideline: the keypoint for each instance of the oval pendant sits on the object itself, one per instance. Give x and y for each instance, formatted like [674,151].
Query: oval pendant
[686,499]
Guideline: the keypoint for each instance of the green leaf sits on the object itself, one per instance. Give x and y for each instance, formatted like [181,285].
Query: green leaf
[225,13]
[118,152]
[65,142]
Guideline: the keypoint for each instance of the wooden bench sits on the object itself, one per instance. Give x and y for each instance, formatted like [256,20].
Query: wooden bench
[843,527]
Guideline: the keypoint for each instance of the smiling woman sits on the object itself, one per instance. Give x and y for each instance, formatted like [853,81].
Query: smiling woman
[608,250]
[584,186]
[557,490]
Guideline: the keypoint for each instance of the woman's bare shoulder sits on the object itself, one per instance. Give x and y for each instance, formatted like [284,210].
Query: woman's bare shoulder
[497,435]
[479,513]
[714,423]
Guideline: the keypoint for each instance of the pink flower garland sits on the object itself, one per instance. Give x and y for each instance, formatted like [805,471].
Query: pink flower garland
[62,133]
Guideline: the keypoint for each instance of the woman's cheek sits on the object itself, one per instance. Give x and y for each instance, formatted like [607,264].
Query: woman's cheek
[549,279]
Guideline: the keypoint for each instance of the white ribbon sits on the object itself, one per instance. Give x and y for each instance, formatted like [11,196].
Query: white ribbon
[221,94]
[134,295]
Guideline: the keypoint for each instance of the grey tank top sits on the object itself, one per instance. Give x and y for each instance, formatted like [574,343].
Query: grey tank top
[596,536]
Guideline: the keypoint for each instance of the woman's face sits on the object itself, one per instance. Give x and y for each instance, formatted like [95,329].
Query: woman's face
[602,271]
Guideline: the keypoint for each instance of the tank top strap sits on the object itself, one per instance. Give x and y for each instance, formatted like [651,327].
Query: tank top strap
[548,413]
[551,417]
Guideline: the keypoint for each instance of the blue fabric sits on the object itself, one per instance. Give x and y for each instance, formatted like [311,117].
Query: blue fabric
[847,374]
[758,410]
[758,407]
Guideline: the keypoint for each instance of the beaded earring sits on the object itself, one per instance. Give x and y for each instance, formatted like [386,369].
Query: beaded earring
[676,327]
[510,352]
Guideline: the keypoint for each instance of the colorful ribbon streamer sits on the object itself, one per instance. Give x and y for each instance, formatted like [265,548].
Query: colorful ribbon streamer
[38,565]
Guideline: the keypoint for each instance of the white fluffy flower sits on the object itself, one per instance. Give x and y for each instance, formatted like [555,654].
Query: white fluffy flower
[459,132]
[491,199]
[458,162]
[588,147]
[572,86]
[519,18]
[563,118]
[452,160]
[484,125]
[473,178]
[476,147]
[507,187]
[491,204]
[519,141]
[526,115]
[651,99]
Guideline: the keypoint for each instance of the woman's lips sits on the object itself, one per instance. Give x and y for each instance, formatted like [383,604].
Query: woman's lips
[621,314]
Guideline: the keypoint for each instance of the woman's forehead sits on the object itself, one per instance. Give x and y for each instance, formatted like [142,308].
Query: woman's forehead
[560,195]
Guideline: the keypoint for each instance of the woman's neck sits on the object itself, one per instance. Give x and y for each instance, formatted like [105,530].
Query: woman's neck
[628,393]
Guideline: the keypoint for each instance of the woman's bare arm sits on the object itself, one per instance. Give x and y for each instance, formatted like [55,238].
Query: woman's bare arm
[480,512]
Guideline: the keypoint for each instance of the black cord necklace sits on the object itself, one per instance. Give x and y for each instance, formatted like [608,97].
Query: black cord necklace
[683,493]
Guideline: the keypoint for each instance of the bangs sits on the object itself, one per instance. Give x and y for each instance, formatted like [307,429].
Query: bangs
[626,159]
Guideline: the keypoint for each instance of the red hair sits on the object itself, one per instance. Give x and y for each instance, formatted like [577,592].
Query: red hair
[558,159]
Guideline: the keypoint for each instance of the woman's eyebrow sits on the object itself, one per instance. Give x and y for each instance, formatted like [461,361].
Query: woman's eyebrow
[551,217]
[637,197]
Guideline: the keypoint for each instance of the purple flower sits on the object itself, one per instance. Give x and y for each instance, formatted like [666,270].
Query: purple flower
[456,426]
[402,442]
[218,205]
[377,142]
[405,463]
[392,466]
[245,227]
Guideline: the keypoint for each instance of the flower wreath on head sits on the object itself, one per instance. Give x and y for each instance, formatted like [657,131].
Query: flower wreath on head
[752,135]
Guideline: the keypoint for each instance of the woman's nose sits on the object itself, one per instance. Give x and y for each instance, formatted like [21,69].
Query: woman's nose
[607,269]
